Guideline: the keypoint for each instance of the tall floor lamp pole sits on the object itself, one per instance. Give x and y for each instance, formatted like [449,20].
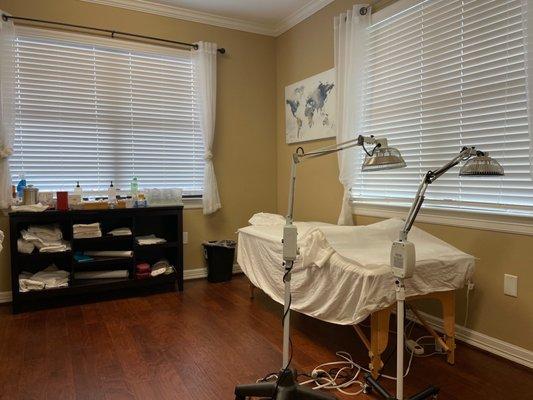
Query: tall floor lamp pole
[403,257]
[286,386]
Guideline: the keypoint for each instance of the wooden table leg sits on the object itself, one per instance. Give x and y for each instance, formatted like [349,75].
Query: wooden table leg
[379,337]
[447,300]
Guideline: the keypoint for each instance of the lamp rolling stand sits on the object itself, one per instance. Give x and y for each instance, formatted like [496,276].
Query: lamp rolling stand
[403,259]
[286,386]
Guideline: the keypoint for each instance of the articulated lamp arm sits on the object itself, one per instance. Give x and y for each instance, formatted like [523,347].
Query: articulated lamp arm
[403,255]
[430,177]
[300,156]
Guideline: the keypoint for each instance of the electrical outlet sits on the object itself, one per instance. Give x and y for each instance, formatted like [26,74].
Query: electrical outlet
[510,285]
[185,237]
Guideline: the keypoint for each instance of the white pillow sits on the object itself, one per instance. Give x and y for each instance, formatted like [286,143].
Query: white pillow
[266,219]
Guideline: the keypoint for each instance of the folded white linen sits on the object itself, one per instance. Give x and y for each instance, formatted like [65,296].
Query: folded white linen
[49,278]
[315,248]
[27,284]
[56,247]
[29,208]
[86,231]
[120,232]
[23,246]
[149,239]
[109,253]
[95,226]
[266,219]
[120,273]
[46,233]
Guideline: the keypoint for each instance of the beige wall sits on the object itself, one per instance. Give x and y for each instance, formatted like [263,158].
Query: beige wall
[245,112]
[251,109]
[307,49]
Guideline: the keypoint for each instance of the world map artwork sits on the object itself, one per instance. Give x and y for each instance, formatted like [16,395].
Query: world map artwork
[310,108]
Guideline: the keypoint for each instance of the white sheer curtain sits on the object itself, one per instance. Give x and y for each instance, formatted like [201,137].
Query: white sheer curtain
[350,58]
[7,112]
[527,12]
[205,58]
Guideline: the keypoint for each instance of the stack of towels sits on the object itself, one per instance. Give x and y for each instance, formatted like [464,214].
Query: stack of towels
[149,239]
[85,231]
[47,238]
[49,278]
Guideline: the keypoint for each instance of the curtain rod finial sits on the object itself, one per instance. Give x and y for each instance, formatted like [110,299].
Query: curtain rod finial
[222,50]
[5,17]
[363,10]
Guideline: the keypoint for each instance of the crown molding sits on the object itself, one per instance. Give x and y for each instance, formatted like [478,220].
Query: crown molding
[188,15]
[218,20]
[300,15]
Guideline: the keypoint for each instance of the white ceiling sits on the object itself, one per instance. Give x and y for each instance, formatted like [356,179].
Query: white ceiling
[268,17]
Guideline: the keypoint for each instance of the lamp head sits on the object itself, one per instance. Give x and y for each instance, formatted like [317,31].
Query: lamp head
[481,165]
[382,158]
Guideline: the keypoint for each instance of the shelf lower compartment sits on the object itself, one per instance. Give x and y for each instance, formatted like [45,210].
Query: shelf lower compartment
[82,286]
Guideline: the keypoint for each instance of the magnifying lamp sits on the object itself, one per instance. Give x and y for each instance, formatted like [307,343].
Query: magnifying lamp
[380,157]
[403,256]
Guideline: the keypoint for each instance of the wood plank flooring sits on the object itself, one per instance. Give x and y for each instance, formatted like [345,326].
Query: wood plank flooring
[197,345]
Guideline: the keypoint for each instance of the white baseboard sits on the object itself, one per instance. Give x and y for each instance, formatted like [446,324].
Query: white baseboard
[492,345]
[199,273]
[5,297]
[188,274]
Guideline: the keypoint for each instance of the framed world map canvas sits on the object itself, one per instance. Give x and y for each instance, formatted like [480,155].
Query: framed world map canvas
[310,109]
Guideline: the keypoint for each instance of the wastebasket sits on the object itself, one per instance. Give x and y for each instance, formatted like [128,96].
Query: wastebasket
[219,256]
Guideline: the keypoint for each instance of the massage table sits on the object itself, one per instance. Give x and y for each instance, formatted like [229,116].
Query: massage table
[342,276]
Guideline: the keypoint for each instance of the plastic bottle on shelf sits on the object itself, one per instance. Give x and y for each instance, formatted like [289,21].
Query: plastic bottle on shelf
[112,194]
[77,189]
[134,188]
[21,186]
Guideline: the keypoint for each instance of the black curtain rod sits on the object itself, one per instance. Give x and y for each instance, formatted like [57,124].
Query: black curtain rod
[112,32]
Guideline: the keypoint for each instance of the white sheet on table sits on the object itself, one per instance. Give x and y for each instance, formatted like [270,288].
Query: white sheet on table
[356,280]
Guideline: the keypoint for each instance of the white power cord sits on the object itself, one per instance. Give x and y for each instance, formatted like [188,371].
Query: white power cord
[324,379]
[470,287]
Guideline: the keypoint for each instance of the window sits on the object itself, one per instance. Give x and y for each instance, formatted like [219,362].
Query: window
[99,110]
[441,75]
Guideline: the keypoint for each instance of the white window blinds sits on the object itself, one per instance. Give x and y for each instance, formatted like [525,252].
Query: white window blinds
[445,74]
[99,110]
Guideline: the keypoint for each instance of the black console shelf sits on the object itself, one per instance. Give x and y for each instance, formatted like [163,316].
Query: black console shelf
[165,222]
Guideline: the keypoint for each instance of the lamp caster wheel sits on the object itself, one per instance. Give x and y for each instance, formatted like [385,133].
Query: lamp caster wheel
[367,389]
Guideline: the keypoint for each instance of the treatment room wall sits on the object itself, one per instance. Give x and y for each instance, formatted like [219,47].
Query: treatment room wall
[307,49]
[244,148]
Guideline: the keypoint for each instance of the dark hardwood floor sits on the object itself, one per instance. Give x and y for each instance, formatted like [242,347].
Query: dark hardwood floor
[197,345]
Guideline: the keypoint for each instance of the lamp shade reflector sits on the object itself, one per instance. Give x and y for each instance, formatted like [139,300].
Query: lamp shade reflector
[383,158]
[482,165]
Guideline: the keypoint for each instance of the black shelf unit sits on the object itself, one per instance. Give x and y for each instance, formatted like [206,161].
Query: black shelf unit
[165,222]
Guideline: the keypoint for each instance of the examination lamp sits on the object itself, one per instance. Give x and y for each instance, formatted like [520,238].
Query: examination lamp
[286,387]
[403,256]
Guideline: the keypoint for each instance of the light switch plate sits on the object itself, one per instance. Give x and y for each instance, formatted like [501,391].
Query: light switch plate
[185,237]
[510,285]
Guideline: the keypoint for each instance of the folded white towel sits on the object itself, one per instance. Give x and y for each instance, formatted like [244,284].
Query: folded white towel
[120,273]
[46,233]
[29,208]
[149,239]
[86,231]
[120,232]
[26,284]
[109,253]
[23,246]
[49,278]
